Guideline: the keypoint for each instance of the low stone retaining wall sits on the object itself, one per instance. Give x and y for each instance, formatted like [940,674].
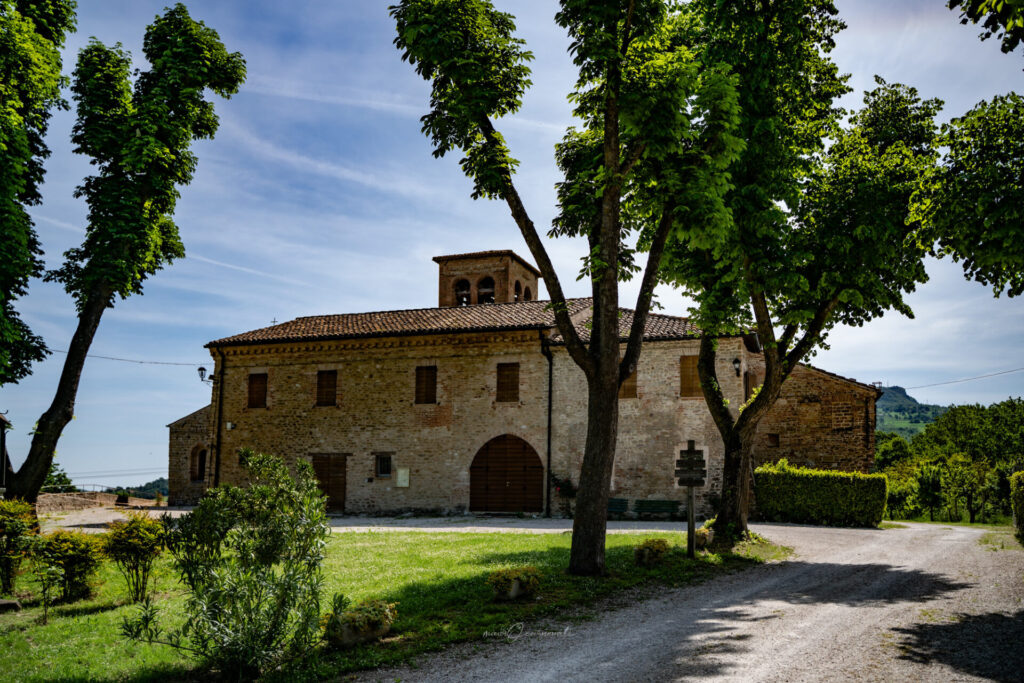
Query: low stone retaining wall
[67,502]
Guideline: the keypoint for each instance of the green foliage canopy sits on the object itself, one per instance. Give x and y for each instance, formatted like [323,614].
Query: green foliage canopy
[974,204]
[1001,18]
[139,139]
[31,35]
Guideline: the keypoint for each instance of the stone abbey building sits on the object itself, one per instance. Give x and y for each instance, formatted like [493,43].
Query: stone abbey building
[470,405]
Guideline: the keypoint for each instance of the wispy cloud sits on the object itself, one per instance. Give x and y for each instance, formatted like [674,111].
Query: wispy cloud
[266,149]
[251,271]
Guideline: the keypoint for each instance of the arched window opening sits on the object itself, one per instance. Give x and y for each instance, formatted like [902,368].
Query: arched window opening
[462,293]
[519,292]
[527,295]
[197,464]
[485,291]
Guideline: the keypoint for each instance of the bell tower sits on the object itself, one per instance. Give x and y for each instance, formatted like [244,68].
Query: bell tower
[485,277]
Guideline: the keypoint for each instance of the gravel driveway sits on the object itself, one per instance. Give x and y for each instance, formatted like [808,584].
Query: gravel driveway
[924,602]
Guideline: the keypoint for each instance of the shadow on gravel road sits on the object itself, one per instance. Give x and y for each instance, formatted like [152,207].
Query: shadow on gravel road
[717,635]
[985,645]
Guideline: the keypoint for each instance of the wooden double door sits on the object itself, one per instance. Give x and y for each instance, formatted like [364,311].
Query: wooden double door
[330,472]
[507,475]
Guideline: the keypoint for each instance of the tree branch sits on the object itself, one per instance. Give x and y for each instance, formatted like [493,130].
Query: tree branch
[574,345]
[643,301]
[706,368]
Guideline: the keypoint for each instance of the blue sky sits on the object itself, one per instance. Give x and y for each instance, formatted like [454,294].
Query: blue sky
[319,195]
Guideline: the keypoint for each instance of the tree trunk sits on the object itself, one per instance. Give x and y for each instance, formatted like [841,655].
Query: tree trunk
[733,510]
[589,525]
[26,482]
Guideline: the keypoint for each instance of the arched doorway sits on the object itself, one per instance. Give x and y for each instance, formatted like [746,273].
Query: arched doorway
[506,476]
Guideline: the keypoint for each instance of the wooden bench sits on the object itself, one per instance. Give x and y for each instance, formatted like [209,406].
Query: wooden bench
[617,507]
[650,508]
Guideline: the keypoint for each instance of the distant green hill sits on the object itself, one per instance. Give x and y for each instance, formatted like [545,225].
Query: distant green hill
[900,413]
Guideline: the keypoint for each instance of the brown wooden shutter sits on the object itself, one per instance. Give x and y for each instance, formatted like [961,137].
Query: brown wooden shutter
[508,382]
[326,387]
[689,379]
[258,390]
[628,388]
[426,384]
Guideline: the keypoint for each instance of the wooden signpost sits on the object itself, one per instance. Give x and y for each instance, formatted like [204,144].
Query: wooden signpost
[690,471]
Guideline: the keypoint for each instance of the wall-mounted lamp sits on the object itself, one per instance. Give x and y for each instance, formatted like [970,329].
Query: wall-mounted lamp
[202,374]
[736,365]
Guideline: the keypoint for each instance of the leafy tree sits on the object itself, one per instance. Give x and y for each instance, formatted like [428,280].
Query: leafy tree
[250,559]
[929,489]
[1001,18]
[817,233]
[58,481]
[31,35]
[891,452]
[974,204]
[653,141]
[138,137]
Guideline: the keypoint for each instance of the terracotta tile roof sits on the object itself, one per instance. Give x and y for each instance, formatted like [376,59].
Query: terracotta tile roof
[487,254]
[658,327]
[526,315]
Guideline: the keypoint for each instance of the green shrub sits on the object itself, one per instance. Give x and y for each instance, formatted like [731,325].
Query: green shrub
[795,494]
[502,582]
[17,528]
[76,554]
[250,560]
[650,552]
[1017,502]
[133,545]
[345,625]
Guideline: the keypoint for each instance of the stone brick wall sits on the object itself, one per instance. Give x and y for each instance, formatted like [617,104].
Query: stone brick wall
[819,420]
[188,434]
[653,427]
[376,414]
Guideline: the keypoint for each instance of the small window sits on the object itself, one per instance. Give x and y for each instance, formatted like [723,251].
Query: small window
[689,378]
[258,390]
[508,382]
[485,291]
[327,387]
[527,295]
[773,440]
[628,388]
[382,466]
[197,465]
[749,384]
[462,293]
[518,292]
[426,384]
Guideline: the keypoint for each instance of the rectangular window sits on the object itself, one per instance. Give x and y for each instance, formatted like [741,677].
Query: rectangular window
[628,388]
[382,466]
[426,384]
[508,382]
[258,390]
[773,440]
[689,379]
[326,387]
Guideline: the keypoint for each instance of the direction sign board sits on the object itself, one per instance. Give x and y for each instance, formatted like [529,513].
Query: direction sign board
[690,467]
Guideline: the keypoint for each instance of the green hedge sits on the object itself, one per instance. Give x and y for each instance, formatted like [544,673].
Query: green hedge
[1017,499]
[795,494]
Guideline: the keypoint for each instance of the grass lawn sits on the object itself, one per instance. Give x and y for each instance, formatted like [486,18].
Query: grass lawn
[437,579]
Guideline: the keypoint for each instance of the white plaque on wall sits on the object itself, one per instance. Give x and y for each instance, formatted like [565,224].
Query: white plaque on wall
[402,477]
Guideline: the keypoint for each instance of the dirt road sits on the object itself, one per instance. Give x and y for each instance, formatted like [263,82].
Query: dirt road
[920,603]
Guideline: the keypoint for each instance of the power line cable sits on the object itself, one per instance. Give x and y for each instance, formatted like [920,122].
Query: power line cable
[966,379]
[133,360]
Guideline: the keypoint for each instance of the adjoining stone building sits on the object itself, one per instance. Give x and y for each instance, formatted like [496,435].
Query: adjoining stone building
[472,405]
